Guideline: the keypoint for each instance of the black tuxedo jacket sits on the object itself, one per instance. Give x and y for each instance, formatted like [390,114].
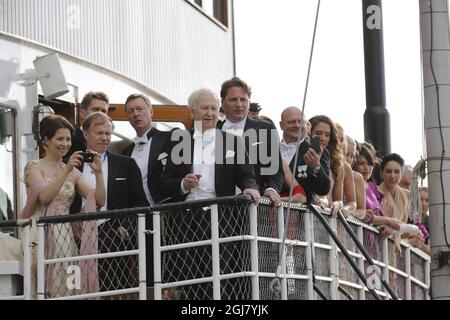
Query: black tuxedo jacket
[124,185]
[78,144]
[263,137]
[318,183]
[155,164]
[228,173]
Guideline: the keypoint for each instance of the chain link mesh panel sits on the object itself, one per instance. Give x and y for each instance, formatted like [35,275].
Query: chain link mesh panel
[234,220]
[59,243]
[373,244]
[236,289]
[199,291]
[324,287]
[189,225]
[418,292]
[346,271]
[322,262]
[268,254]
[320,233]
[296,226]
[63,240]
[267,222]
[185,225]
[352,292]
[417,267]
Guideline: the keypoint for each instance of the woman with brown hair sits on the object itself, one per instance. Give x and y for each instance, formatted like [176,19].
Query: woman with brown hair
[51,185]
[324,127]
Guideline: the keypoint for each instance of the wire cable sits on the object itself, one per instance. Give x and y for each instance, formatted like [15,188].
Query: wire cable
[438,102]
[275,283]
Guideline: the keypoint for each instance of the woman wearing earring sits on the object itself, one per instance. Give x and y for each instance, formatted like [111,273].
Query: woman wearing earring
[51,186]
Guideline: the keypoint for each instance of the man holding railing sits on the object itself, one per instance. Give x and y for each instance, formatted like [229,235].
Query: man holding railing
[123,190]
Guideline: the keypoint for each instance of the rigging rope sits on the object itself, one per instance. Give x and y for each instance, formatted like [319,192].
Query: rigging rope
[275,284]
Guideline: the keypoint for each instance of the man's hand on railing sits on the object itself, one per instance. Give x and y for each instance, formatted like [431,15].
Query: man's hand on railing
[274,196]
[254,194]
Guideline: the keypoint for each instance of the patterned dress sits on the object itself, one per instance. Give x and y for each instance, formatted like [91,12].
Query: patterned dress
[60,241]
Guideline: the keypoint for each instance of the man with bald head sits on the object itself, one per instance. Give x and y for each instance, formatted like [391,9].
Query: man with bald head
[312,170]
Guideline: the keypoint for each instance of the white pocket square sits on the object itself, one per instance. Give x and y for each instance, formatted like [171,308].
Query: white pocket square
[162,156]
[256,143]
[230,154]
[121,179]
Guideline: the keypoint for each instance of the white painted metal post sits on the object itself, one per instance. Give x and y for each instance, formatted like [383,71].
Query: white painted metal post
[26,263]
[385,253]
[281,222]
[254,251]
[142,254]
[427,278]
[308,251]
[334,264]
[362,291]
[157,253]
[40,262]
[215,251]
[408,272]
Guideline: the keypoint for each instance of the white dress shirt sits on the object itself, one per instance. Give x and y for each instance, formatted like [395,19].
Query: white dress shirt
[204,160]
[89,175]
[140,154]
[287,150]
[236,128]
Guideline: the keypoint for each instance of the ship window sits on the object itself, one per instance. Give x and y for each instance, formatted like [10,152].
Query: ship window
[7,163]
[218,9]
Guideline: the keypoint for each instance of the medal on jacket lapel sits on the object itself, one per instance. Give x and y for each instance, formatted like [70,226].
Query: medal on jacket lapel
[302,171]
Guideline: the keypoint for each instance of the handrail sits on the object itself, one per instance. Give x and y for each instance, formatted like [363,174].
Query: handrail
[15,223]
[94,215]
[344,251]
[365,254]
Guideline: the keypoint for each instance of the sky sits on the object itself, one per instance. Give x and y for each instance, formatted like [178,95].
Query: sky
[273,42]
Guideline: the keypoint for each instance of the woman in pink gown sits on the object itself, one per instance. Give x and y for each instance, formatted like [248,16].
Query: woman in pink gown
[51,186]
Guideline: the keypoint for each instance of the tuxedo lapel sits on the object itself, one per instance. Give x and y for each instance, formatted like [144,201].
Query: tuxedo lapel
[219,166]
[112,172]
[155,150]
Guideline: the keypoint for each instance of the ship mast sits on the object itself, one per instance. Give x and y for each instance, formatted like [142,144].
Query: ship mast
[434,25]
[376,117]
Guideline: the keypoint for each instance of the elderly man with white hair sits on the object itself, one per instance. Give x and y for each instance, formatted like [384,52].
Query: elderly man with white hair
[216,166]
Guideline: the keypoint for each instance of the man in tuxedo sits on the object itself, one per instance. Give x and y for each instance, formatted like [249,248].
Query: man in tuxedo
[312,170]
[123,190]
[260,137]
[149,152]
[148,148]
[93,101]
[213,163]
[207,163]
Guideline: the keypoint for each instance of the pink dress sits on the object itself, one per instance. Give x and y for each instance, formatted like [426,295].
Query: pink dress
[59,237]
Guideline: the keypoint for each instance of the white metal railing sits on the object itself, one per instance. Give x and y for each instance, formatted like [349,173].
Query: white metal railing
[48,267]
[229,249]
[308,248]
[21,267]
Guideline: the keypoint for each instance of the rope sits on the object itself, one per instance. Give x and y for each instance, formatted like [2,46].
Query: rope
[414,207]
[275,284]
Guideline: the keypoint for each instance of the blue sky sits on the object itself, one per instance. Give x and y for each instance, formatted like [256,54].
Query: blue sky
[272,47]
